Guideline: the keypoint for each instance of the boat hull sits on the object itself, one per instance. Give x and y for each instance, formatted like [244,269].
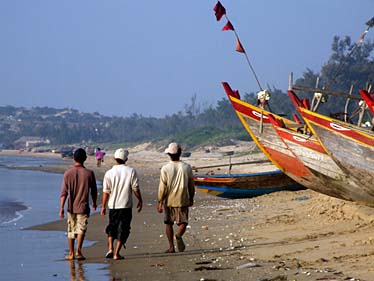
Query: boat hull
[257,123]
[309,150]
[245,185]
[306,162]
[351,147]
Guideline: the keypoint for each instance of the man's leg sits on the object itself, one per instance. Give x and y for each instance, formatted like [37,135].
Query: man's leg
[116,255]
[80,240]
[182,221]
[71,242]
[80,228]
[182,229]
[109,254]
[180,243]
[170,236]
[110,244]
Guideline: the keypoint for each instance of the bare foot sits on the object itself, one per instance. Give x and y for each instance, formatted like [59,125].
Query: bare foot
[118,257]
[80,257]
[180,244]
[69,257]
[170,250]
[109,255]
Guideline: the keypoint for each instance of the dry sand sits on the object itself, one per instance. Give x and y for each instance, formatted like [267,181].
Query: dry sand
[299,235]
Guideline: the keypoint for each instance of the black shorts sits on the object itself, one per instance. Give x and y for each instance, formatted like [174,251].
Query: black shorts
[119,224]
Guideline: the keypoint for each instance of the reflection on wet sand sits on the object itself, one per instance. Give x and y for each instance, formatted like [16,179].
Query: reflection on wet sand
[77,271]
[116,279]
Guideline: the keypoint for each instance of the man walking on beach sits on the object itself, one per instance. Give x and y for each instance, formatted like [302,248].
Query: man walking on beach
[118,185]
[77,185]
[175,195]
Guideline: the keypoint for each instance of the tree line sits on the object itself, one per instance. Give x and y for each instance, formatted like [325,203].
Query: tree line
[195,125]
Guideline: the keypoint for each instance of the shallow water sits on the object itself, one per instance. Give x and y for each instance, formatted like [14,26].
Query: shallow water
[29,198]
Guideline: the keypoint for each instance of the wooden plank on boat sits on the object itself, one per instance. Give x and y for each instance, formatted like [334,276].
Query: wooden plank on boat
[232,164]
[245,185]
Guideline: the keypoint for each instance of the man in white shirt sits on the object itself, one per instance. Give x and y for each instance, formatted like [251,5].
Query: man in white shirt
[118,185]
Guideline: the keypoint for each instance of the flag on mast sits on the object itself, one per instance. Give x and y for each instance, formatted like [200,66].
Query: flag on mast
[239,48]
[228,26]
[219,11]
[370,23]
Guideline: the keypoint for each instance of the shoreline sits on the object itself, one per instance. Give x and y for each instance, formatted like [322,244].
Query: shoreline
[298,235]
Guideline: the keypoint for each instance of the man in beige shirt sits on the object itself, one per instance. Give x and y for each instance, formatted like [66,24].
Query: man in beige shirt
[175,195]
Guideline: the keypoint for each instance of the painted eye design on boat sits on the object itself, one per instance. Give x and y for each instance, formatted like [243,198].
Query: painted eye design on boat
[338,128]
[299,139]
[258,114]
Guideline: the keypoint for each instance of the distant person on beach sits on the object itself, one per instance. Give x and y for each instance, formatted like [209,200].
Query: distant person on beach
[99,157]
[118,185]
[175,195]
[77,185]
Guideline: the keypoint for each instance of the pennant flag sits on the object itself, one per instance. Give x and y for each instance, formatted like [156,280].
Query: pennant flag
[239,48]
[236,94]
[228,26]
[219,11]
[370,23]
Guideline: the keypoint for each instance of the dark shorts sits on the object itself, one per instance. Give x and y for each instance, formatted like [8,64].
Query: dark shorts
[119,224]
[178,215]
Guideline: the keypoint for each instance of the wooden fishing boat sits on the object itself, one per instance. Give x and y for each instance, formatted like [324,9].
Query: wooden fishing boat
[350,146]
[257,123]
[299,155]
[310,151]
[245,185]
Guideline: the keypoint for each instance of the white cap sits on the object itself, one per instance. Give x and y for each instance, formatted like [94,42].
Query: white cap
[121,154]
[172,148]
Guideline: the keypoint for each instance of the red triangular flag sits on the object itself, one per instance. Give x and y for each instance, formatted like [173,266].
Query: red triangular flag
[219,10]
[236,94]
[228,26]
[239,48]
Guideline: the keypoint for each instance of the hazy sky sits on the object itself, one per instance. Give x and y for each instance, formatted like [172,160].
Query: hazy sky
[121,57]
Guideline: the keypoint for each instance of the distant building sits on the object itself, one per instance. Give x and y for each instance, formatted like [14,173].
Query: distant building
[29,142]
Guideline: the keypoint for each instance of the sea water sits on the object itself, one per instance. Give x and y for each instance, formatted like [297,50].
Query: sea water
[29,198]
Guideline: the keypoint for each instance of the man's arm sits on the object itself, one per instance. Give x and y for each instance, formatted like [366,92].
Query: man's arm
[104,202]
[191,187]
[62,205]
[161,192]
[140,200]
[63,196]
[94,192]
[136,190]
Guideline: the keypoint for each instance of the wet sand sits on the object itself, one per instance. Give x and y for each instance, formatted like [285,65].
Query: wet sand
[298,235]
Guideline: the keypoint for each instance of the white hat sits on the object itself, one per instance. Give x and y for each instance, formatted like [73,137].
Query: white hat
[121,154]
[172,148]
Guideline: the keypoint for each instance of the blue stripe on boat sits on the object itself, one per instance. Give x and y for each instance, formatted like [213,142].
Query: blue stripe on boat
[233,193]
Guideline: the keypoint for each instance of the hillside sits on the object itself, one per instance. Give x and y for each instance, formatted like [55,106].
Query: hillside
[196,125]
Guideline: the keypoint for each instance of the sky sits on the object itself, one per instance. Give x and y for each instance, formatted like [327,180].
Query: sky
[119,57]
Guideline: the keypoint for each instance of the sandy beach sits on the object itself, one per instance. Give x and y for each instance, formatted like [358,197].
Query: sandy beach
[298,235]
